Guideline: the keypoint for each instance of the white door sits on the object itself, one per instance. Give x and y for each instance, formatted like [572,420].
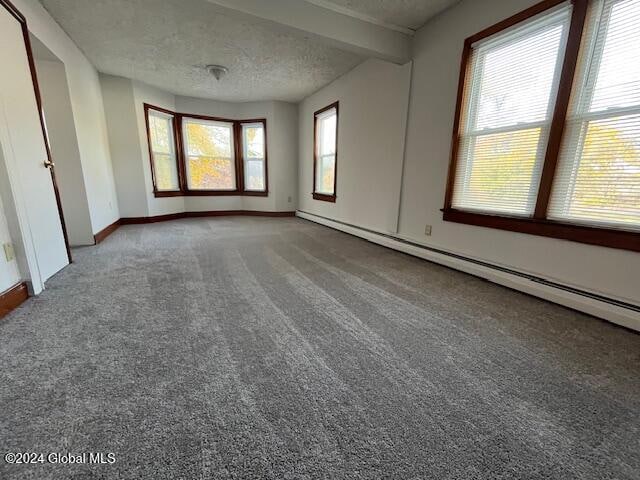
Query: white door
[23,145]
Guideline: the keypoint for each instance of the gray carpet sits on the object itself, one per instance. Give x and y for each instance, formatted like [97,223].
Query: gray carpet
[276,348]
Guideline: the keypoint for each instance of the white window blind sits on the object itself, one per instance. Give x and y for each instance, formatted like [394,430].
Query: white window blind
[163,152]
[598,177]
[510,91]
[253,147]
[326,127]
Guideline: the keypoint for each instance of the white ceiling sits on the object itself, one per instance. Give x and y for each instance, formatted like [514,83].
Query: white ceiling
[161,42]
[165,43]
[403,13]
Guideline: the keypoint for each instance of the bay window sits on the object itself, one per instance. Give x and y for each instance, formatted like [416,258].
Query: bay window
[197,155]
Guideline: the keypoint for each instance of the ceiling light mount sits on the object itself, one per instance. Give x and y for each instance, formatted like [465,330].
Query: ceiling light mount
[218,71]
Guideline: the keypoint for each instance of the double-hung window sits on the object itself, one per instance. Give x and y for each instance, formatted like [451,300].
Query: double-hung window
[325,153]
[162,149]
[507,116]
[598,177]
[210,154]
[254,153]
[547,128]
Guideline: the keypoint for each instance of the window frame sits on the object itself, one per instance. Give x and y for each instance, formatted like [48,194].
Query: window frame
[315,194]
[176,146]
[205,192]
[181,156]
[538,224]
[254,193]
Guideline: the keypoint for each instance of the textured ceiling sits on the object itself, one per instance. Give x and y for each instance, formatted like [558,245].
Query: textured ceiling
[161,42]
[404,13]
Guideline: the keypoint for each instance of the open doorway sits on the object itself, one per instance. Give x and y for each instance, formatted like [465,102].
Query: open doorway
[31,206]
[65,152]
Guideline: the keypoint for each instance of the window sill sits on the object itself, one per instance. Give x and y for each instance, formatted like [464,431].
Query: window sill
[324,197]
[211,193]
[621,239]
[164,194]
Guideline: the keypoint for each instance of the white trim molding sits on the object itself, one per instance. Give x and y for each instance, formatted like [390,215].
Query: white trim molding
[618,312]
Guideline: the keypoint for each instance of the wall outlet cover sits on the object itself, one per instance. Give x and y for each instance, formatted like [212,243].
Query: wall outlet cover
[9,254]
[427,230]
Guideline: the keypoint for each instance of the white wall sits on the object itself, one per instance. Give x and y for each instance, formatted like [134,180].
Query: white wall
[282,143]
[9,273]
[124,106]
[124,144]
[64,150]
[371,133]
[366,190]
[18,230]
[437,53]
[88,112]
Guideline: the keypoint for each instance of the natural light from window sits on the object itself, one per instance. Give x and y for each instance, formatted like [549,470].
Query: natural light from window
[508,107]
[163,151]
[326,128]
[253,140]
[598,179]
[210,155]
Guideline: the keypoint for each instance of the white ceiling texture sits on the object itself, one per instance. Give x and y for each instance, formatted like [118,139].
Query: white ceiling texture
[274,49]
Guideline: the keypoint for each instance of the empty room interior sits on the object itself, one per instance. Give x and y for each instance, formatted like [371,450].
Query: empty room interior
[320,239]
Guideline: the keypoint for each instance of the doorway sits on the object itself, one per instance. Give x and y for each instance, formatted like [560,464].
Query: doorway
[26,160]
[60,124]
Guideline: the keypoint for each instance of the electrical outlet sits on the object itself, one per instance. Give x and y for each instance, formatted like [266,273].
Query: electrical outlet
[289,199]
[427,230]
[9,254]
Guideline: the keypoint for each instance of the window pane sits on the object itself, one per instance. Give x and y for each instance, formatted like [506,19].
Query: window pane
[510,91]
[254,141]
[210,157]
[161,134]
[254,175]
[254,154]
[516,80]
[326,174]
[328,134]
[499,178]
[618,78]
[165,170]
[598,176]
[325,144]
[161,139]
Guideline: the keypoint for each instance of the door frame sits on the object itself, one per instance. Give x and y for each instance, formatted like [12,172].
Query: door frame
[34,79]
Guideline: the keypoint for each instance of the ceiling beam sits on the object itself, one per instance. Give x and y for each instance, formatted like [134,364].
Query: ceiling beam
[339,29]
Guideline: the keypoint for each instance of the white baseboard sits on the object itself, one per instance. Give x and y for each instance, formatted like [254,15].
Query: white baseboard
[620,315]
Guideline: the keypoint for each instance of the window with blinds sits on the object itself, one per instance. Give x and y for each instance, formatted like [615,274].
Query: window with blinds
[597,181]
[508,103]
[547,133]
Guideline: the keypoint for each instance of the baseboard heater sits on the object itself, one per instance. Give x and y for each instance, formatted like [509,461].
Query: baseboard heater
[617,311]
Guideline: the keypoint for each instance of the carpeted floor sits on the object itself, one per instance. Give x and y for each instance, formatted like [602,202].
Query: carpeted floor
[276,348]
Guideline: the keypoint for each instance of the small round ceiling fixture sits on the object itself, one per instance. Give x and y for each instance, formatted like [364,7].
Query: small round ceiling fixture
[217,70]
